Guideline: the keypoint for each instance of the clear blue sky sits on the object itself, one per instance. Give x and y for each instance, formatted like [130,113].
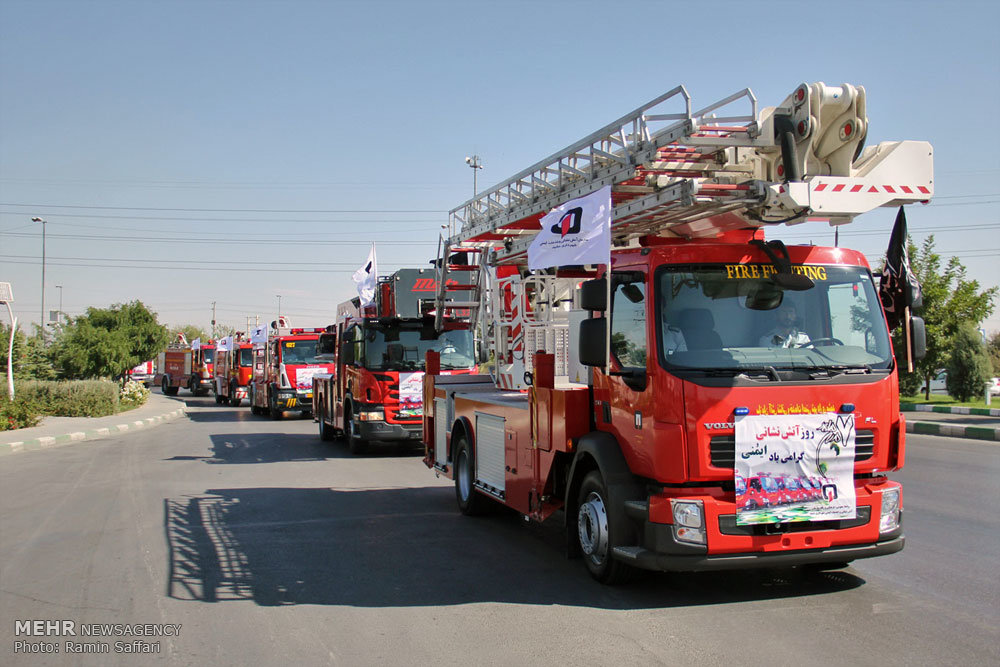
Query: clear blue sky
[234,151]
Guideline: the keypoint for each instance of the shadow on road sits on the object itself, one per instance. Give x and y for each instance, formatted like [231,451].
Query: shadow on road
[410,547]
[276,447]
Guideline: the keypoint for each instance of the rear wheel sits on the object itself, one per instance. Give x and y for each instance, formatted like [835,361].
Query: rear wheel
[470,503]
[166,388]
[326,433]
[597,530]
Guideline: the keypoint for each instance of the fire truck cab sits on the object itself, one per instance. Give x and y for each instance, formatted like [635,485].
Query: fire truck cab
[233,370]
[284,363]
[376,393]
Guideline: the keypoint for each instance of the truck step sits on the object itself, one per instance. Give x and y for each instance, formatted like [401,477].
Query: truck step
[637,510]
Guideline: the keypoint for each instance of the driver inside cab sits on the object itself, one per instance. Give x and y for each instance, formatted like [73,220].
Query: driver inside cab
[786,334]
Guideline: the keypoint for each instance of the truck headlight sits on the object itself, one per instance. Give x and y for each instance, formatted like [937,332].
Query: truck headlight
[372,416]
[889,520]
[689,521]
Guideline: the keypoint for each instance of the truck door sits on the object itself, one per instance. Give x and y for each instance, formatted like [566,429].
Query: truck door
[630,401]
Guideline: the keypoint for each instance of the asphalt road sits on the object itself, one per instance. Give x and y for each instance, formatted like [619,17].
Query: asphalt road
[269,547]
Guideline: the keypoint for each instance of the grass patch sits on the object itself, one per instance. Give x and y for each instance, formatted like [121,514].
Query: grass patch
[945,400]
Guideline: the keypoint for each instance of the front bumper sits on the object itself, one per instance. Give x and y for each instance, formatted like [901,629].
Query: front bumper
[734,547]
[384,431]
[301,402]
[700,562]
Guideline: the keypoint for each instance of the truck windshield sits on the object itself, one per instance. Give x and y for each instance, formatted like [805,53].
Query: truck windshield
[721,317]
[298,352]
[208,355]
[246,357]
[394,348]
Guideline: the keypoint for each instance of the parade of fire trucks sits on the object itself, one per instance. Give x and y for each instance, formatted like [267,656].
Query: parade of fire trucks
[617,333]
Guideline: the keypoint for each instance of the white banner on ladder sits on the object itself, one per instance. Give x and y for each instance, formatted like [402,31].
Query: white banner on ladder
[577,232]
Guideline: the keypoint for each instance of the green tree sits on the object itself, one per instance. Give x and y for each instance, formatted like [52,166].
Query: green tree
[32,359]
[949,301]
[969,366]
[106,342]
[993,349]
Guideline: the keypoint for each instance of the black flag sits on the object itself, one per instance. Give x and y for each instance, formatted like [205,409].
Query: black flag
[898,288]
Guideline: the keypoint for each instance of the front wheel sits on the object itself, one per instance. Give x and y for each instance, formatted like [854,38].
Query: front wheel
[470,503]
[355,444]
[273,409]
[597,530]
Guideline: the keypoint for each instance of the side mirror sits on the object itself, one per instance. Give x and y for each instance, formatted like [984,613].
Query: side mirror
[594,296]
[593,332]
[918,337]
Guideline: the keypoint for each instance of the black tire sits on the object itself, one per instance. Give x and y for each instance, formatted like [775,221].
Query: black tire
[597,531]
[470,501]
[355,444]
[166,388]
[326,433]
[272,409]
[218,399]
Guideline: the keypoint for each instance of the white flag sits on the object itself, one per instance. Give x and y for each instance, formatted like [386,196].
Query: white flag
[364,278]
[258,335]
[196,344]
[577,232]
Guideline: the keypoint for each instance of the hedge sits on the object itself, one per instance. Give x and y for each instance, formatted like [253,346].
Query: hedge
[73,398]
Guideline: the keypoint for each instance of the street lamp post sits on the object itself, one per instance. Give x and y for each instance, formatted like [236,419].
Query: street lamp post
[475,165]
[41,322]
[59,316]
[279,306]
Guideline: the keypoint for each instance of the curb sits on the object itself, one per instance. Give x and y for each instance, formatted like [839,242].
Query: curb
[925,407]
[953,430]
[47,441]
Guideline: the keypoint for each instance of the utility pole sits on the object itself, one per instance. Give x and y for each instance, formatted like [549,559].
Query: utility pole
[41,322]
[213,320]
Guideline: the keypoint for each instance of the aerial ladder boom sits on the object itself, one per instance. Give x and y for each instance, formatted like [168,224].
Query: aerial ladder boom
[683,173]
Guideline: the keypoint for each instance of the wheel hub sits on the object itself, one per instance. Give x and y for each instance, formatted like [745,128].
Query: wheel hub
[592,525]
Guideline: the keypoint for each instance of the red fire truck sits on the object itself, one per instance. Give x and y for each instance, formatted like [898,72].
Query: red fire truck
[284,363]
[233,370]
[144,372]
[376,393]
[635,435]
[191,367]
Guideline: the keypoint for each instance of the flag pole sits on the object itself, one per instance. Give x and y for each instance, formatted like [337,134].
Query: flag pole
[607,319]
[907,339]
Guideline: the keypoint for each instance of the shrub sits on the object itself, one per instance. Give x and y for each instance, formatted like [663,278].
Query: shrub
[133,394]
[21,413]
[73,398]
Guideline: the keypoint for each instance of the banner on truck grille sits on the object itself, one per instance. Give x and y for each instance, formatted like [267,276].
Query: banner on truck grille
[794,468]
[411,394]
[304,377]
